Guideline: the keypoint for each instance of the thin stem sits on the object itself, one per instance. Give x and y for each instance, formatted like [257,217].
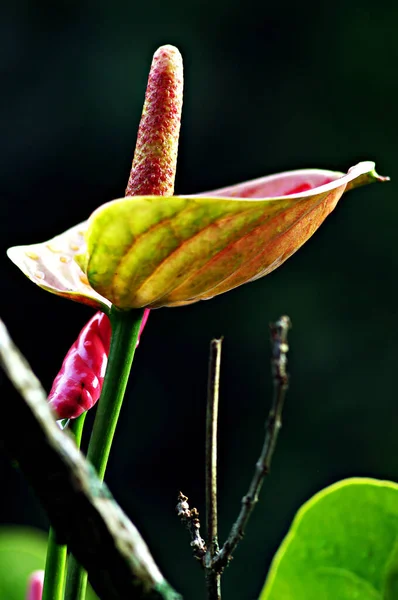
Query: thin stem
[125,332]
[279,331]
[76,581]
[76,427]
[54,578]
[213,584]
[213,388]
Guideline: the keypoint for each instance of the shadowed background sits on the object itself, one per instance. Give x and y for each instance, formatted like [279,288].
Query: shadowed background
[268,87]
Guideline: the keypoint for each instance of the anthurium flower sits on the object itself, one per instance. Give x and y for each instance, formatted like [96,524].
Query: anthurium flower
[147,250]
[152,251]
[78,385]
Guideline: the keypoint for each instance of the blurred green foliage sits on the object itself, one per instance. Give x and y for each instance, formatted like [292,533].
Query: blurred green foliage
[269,87]
[342,544]
[22,551]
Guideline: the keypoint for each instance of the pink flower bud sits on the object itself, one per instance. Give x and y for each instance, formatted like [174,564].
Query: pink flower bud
[35,586]
[78,385]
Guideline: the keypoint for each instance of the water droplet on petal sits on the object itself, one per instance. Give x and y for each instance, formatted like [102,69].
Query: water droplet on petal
[39,274]
[32,255]
[84,279]
[74,247]
[64,259]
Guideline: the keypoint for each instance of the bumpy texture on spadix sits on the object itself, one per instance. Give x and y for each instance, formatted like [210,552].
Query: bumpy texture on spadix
[151,251]
[155,158]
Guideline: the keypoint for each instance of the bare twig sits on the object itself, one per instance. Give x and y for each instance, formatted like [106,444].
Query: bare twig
[213,559]
[279,331]
[81,509]
[190,518]
[213,389]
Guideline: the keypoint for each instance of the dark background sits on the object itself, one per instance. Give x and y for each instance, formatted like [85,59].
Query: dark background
[268,87]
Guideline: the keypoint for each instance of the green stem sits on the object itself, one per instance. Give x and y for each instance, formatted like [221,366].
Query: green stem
[125,331]
[76,581]
[54,578]
[76,427]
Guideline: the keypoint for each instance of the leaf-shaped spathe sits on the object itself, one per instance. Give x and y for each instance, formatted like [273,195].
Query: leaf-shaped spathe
[153,251]
[51,265]
[342,545]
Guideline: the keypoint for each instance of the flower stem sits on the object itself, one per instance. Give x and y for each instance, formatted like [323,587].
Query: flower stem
[76,427]
[125,332]
[76,581]
[54,578]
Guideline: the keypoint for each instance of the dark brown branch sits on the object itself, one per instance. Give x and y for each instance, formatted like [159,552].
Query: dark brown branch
[190,518]
[80,508]
[279,331]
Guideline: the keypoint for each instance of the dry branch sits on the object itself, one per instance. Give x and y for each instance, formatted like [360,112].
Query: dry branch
[80,508]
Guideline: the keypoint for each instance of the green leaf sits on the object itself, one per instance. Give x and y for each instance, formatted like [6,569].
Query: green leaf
[342,545]
[154,251]
[391,579]
[51,266]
